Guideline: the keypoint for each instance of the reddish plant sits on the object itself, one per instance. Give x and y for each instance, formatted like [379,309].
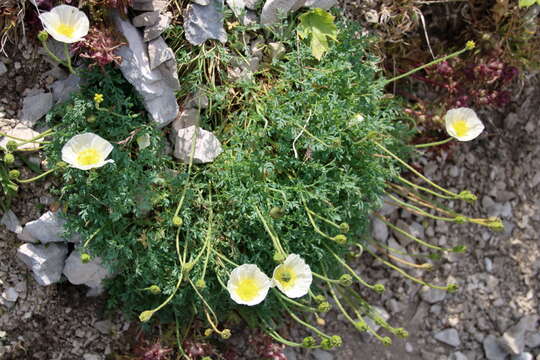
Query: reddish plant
[266,348]
[99,46]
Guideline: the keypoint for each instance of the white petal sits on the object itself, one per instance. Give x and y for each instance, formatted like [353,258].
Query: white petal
[248,271]
[85,141]
[303,275]
[68,15]
[475,125]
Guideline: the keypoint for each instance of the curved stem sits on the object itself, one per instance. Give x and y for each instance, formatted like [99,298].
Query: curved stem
[435,143]
[68,59]
[25,181]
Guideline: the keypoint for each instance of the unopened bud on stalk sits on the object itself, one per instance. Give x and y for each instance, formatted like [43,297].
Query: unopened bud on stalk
[386,341]
[85,258]
[61,164]
[154,289]
[208,332]
[495,224]
[276,212]
[177,221]
[460,219]
[402,333]
[378,288]
[146,315]
[467,196]
[345,280]
[326,344]
[201,284]
[340,239]
[452,288]
[470,45]
[11,145]
[319,298]
[361,326]
[459,248]
[344,227]
[14,174]
[309,341]
[9,158]
[187,267]
[225,334]
[43,36]
[336,340]
[324,307]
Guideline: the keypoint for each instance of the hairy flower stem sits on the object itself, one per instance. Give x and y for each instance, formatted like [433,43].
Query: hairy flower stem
[68,59]
[33,140]
[327,279]
[414,171]
[54,57]
[323,218]
[349,269]
[361,319]
[410,236]
[275,239]
[419,187]
[312,221]
[436,143]
[146,315]
[382,247]
[91,237]
[26,181]
[207,242]
[302,322]
[208,307]
[295,303]
[416,210]
[191,155]
[449,287]
[434,62]
[178,341]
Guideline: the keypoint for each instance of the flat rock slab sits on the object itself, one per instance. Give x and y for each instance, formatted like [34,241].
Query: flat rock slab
[153,31]
[158,97]
[48,228]
[159,52]
[45,261]
[449,337]
[205,22]
[146,19]
[21,131]
[207,146]
[11,222]
[63,89]
[35,107]
[274,9]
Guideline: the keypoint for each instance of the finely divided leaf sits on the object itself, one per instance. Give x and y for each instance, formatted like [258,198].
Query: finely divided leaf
[319,25]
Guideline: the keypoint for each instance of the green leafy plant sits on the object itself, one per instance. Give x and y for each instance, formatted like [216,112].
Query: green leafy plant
[318,25]
[527,3]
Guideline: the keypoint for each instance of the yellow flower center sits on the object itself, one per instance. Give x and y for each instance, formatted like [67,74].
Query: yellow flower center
[248,289]
[88,157]
[461,128]
[66,30]
[286,276]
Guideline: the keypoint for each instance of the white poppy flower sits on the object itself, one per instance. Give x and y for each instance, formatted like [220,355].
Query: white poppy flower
[86,151]
[463,124]
[248,285]
[65,23]
[293,277]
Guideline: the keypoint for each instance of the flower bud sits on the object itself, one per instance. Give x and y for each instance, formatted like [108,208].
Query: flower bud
[9,158]
[177,221]
[201,284]
[91,119]
[344,227]
[460,219]
[326,344]
[206,358]
[345,280]
[225,334]
[495,224]
[309,341]
[208,332]
[154,289]
[43,36]
[336,340]
[378,288]
[85,258]
[14,174]
[340,239]
[386,341]
[187,267]
[276,212]
[467,196]
[11,145]
[459,249]
[452,288]
[146,315]
[324,307]
[402,333]
[319,298]
[361,326]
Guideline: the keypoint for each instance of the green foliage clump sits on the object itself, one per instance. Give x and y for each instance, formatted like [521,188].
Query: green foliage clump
[301,163]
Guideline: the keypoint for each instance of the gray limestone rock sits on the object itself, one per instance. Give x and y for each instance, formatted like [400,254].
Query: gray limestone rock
[159,52]
[238,7]
[23,132]
[458,355]
[63,89]
[3,68]
[201,2]
[8,297]
[198,100]
[523,356]
[207,146]
[158,97]
[45,261]
[152,32]
[277,50]
[169,71]
[11,222]
[274,9]
[48,228]
[432,296]
[401,253]
[146,19]
[251,4]
[513,340]
[323,4]
[449,337]
[379,230]
[532,339]
[186,118]
[205,22]
[492,348]
[149,5]
[35,107]
[90,274]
